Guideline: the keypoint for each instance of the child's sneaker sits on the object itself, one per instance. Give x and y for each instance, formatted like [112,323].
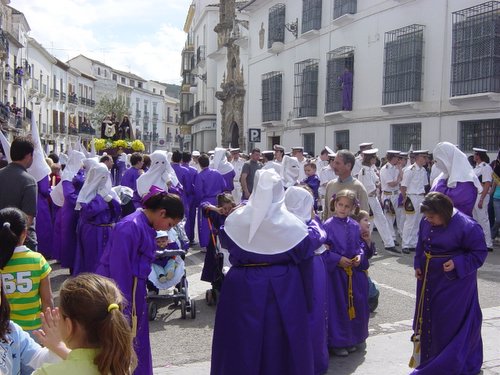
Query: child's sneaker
[169,275]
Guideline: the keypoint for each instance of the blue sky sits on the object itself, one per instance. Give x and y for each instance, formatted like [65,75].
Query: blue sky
[143,37]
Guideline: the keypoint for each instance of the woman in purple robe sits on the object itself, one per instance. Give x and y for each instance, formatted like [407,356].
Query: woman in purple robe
[128,257]
[300,202]
[261,321]
[450,249]
[346,79]
[100,209]
[457,180]
[209,183]
[348,311]
[72,181]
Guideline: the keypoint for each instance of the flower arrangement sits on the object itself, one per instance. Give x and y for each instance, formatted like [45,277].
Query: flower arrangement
[120,143]
[137,146]
[101,144]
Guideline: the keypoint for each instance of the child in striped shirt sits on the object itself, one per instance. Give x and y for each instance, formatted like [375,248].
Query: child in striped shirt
[24,272]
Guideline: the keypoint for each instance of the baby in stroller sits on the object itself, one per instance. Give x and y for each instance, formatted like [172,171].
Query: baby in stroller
[168,267]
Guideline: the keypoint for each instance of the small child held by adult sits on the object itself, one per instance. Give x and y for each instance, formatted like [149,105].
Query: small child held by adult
[348,311]
[25,273]
[99,335]
[312,180]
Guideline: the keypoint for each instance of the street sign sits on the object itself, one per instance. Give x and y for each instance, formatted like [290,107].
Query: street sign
[254,135]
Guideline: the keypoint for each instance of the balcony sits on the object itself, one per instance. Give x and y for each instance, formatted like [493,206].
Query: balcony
[92,103]
[138,114]
[34,87]
[63,97]
[155,137]
[26,69]
[155,117]
[43,91]
[73,99]
[200,56]
[200,109]
[146,115]
[83,101]
[85,128]
[55,94]
[8,75]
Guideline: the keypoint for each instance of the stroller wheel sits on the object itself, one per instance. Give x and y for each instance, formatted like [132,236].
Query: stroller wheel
[210,297]
[183,309]
[152,310]
[192,309]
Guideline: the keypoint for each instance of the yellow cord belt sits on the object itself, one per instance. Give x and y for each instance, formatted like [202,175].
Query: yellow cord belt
[350,296]
[415,359]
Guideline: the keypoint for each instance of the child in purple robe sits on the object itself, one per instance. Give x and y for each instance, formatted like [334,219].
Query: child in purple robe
[348,283]
[128,257]
[100,209]
[447,324]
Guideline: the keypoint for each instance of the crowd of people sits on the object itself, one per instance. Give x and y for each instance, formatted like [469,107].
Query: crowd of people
[296,235]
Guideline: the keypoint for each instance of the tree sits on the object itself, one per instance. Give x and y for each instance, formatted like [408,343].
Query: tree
[104,107]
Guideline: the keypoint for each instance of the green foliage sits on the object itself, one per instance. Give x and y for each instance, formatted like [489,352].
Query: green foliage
[104,107]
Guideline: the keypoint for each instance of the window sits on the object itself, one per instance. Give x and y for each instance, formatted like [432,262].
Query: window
[475,63]
[341,7]
[480,133]
[276,24]
[271,96]
[339,80]
[132,83]
[98,71]
[342,140]
[306,88]
[122,80]
[115,78]
[311,15]
[406,136]
[308,142]
[403,65]
[139,84]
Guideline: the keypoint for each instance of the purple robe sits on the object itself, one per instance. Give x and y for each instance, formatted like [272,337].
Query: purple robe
[347,83]
[129,253]
[343,236]
[315,272]
[209,183]
[69,219]
[120,168]
[261,324]
[191,208]
[183,177]
[463,195]
[56,238]
[94,229]
[229,179]
[43,222]
[130,177]
[313,182]
[451,332]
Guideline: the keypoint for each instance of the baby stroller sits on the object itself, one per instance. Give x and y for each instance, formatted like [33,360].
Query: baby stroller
[177,286]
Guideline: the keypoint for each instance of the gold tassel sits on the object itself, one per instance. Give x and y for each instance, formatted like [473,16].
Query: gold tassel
[415,358]
[350,296]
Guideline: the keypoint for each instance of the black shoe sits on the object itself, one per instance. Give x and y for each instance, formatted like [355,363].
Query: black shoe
[406,251]
[393,250]
[490,249]
[412,249]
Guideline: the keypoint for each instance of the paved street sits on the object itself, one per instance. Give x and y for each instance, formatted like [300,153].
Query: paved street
[182,347]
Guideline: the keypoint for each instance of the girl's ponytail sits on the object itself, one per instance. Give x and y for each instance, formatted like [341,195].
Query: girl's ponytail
[117,355]
[12,225]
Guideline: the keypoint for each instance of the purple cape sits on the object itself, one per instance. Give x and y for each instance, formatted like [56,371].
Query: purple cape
[451,330]
[43,222]
[463,195]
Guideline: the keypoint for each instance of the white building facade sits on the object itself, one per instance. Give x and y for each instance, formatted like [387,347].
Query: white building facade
[401,73]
